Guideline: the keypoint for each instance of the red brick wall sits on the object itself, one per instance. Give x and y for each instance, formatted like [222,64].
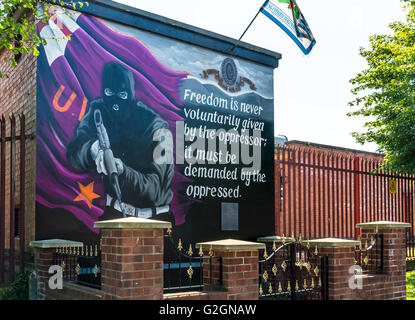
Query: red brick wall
[392,284]
[72,291]
[132,268]
[132,264]
[239,275]
[18,94]
[388,285]
[43,261]
[340,260]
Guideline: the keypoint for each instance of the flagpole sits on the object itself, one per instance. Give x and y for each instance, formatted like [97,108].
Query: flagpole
[239,40]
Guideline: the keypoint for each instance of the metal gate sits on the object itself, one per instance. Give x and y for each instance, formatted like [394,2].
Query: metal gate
[191,269]
[183,270]
[293,271]
[324,194]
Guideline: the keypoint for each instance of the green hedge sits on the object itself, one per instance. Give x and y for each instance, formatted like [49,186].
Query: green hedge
[18,290]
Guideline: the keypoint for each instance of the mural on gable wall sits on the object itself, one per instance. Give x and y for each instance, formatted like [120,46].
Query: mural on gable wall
[131,123]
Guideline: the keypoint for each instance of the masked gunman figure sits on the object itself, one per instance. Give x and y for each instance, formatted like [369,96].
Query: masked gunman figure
[115,137]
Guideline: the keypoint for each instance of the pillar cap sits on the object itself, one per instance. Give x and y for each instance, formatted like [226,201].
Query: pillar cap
[333,243]
[275,238]
[55,243]
[132,223]
[231,245]
[384,225]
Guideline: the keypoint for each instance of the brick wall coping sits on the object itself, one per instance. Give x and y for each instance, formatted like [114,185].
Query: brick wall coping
[132,223]
[74,291]
[383,224]
[184,295]
[54,243]
[231,245]
[333,243]
[274,238]
[370,276]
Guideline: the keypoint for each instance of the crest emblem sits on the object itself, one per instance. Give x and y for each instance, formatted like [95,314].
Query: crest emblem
[229,72]
[227,77]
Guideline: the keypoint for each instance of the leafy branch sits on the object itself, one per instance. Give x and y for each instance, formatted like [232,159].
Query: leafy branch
[18,32]
[385,93]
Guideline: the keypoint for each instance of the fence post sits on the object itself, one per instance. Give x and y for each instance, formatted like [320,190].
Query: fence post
[394,255]
[356,194]
[2,196]
[239,267]
[22,174]
[341,257]
[12,195]
[44,251]
[132,258]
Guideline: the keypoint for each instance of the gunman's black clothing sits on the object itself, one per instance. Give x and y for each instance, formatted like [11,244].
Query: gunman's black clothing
[130,125]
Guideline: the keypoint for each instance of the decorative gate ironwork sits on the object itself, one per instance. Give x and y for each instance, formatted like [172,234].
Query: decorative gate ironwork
[80,264]
[182,270]
[370,256]
[293,271]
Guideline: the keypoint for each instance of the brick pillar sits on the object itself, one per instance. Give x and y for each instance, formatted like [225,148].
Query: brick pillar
[239,267]
[394,255]
[132,258]
[44,256]
[341,258]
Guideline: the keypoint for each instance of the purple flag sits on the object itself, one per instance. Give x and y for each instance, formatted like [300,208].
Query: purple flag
[70,74]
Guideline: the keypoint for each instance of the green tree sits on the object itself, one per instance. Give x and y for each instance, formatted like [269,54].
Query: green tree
[18,33]
[385,93]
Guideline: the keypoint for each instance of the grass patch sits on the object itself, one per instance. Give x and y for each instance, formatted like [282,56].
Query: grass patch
[410,285]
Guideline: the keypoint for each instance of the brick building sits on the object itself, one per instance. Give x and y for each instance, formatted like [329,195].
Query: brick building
[323,191]
[132,259]
[324,148]
[17,96]
[55,90]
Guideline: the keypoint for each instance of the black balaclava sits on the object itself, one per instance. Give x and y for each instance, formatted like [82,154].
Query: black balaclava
[117,90]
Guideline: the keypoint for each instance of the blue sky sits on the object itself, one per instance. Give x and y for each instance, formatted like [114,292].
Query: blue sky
[311,92]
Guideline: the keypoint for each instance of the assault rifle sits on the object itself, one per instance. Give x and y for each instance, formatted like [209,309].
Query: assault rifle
[109,161]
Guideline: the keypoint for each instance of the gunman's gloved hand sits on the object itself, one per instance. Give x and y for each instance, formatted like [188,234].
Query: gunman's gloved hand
[97,155]
[120,165]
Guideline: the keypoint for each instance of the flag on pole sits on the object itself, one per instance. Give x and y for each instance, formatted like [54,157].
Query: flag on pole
[287,15]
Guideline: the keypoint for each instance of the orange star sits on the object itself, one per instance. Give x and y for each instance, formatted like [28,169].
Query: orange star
[87,193]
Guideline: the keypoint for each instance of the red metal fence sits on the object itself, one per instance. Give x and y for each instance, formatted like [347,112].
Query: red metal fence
[12,154]
[321,194]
